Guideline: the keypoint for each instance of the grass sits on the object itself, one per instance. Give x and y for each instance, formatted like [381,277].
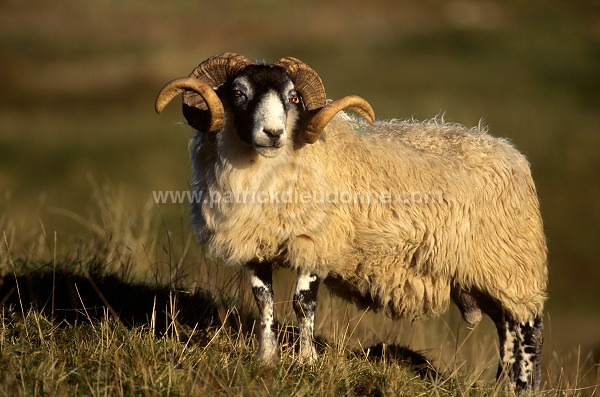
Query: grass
[83,322]
[106,358]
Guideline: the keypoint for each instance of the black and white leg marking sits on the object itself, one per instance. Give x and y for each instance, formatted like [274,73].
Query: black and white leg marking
[520,343]
[529,356]
[305,304]
[261,278]
[521,353]
[509,345]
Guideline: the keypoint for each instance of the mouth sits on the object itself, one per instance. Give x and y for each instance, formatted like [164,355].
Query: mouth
[274,145]
[268,151]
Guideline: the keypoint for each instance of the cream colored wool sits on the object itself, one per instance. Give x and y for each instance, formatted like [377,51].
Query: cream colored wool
[462,211]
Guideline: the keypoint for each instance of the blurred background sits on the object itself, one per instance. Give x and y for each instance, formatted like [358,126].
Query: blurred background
[78,82]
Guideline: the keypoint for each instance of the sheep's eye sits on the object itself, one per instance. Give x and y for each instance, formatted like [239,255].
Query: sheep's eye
[295,99]
[237,94]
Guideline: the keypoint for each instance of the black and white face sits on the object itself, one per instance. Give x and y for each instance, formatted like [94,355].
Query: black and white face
[265,108]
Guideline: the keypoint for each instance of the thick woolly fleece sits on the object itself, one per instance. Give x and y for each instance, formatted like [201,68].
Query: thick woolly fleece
[394,213]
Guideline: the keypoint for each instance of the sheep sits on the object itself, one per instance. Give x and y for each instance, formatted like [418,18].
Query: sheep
[399,216]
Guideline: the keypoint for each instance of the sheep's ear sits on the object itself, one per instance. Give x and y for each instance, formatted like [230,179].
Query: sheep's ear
[197,118]
[317,123]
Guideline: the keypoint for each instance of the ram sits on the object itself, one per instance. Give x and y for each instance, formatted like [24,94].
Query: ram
[398,216]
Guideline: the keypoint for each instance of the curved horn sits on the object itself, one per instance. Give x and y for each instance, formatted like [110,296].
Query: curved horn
[319,121]
[191,85]
[214,72]
[306,80]
[202,108]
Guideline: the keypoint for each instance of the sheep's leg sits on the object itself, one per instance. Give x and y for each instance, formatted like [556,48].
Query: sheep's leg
[261,278]
[305,303]
[509,345]
[527,367]
[520,347]
[505,325]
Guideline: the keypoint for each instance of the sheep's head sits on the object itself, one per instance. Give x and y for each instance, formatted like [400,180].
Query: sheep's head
[261,100]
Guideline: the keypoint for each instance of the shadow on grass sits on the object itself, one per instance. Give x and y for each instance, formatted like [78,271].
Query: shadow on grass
[74,298]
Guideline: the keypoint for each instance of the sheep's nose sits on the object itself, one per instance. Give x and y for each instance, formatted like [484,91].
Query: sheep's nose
[273,133]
